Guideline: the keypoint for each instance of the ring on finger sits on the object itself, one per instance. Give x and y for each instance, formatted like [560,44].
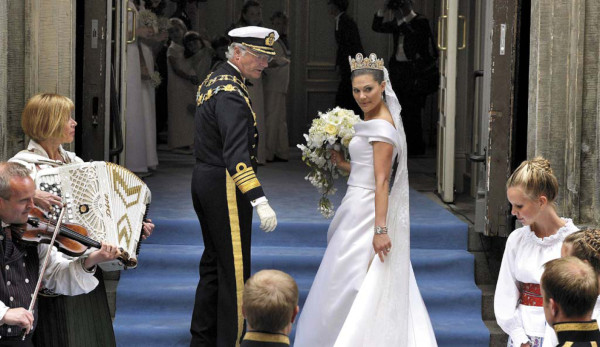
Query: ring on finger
[388,249]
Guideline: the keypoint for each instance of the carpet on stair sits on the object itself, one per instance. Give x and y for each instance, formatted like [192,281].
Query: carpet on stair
[155,300]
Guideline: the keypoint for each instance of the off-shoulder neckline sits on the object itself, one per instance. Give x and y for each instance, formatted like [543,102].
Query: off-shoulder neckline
[383,120]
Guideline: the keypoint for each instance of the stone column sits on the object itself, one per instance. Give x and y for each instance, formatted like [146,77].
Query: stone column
[14,72]
[564,101]
[3,78]
[50,49]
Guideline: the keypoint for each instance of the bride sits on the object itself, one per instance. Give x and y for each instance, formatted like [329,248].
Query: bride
[365,292]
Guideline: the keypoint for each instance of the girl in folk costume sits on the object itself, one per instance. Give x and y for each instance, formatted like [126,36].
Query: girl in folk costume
[531,190]
[365,292]
[584,245]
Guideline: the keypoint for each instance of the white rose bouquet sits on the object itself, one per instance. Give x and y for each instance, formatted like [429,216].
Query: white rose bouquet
[333,129]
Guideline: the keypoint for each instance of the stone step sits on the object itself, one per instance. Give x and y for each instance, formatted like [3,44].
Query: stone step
[497,336]
[487,301]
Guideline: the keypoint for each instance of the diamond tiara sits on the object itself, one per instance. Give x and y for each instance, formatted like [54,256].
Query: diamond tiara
[369,63]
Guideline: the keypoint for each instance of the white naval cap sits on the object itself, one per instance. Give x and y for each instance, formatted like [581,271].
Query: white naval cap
[258,38]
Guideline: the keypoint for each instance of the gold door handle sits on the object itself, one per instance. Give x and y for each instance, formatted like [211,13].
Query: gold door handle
[441,33]
[134,22]
[464,35]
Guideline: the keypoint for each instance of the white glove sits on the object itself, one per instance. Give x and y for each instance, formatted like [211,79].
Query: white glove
[268,220]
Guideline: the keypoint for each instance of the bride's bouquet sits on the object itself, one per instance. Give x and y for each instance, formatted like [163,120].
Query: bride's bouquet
[331,130]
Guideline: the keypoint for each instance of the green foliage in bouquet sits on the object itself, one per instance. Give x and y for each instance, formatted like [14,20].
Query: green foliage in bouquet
[331,130]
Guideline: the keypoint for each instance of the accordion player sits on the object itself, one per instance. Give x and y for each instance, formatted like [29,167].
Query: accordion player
[110,201]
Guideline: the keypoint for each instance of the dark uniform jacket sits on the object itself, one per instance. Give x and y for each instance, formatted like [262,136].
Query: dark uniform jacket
[258,339]
[417,36]
[19,269]
[226,134]
[577,334]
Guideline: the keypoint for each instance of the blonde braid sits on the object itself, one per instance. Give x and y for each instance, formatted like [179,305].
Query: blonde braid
[536,178]
[591,238]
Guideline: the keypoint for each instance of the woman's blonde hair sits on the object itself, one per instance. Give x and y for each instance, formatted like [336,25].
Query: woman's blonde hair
[45,116]
[585,245]
[536,178]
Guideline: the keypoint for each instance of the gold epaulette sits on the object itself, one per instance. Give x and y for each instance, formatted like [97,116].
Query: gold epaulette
[203,97]
[209,81]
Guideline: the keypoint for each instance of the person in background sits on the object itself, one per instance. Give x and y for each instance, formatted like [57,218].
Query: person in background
[276,82]
[251,15]
[182,92]
[570,289]
[141,112]
[220,45]
[160,47]
[412,53]
[349,44]
[198,54]
[270,307]
[531,190]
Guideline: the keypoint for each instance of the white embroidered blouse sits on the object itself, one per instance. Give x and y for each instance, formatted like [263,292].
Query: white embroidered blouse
[523,260]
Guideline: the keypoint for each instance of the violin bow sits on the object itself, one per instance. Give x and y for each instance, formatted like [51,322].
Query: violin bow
[43,269]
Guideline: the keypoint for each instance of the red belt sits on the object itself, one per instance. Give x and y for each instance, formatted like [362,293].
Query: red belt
[531,294]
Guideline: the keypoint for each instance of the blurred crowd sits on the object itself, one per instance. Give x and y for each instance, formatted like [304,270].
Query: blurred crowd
[171,56]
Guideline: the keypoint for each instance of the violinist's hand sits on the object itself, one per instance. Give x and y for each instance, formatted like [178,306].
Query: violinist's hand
[45,200]
[148,228]
[19,316]
[105,253]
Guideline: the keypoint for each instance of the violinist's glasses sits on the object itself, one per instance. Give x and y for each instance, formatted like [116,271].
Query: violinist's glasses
[261,57]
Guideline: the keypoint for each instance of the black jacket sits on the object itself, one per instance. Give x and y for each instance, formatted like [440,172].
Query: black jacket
[577,334]
[348,42]
[417,37]
[259,339]
[226,134]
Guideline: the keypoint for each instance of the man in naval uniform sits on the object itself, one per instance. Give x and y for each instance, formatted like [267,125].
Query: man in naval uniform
[225,187]
[570,289]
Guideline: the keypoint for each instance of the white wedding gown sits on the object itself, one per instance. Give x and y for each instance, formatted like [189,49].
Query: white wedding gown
[355,300]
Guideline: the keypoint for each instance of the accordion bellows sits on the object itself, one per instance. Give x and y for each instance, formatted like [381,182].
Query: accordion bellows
[105,198]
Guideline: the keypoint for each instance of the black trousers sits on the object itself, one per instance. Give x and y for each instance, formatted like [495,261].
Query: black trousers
[226,221]
[402,76]
[16,341]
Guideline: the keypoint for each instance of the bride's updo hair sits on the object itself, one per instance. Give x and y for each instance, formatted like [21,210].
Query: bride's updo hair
[536,178]
[377,74]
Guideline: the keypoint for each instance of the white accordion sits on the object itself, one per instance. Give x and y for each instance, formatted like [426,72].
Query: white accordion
[105,198]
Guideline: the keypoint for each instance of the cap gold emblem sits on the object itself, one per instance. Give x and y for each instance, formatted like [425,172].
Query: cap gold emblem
[270,39]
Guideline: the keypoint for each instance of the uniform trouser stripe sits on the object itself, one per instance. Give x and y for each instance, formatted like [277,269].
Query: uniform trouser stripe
[236,242]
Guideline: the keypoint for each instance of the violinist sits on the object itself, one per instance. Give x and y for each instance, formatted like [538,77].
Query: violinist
[20,263]
[47,121]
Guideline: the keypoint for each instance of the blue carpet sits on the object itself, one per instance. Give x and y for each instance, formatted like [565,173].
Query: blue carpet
[155,301]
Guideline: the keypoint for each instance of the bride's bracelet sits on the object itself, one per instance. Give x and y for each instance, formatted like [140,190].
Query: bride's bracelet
[380,230]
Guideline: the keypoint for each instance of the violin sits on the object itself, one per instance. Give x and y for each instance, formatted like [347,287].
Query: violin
[72,239]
